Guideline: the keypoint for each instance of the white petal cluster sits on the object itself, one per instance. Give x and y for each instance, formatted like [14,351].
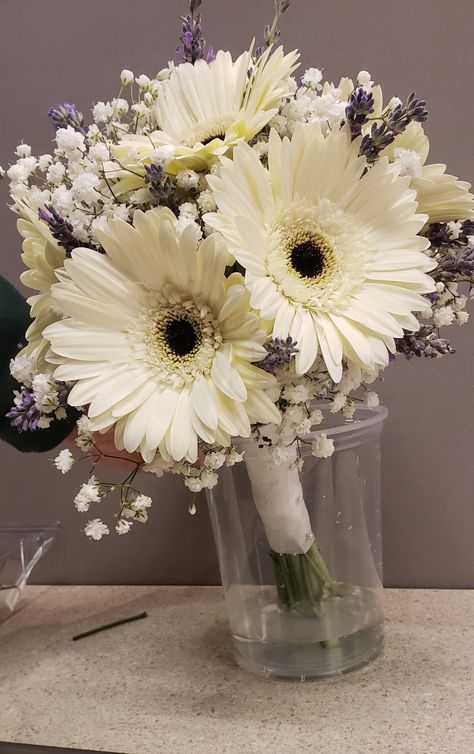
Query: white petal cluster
[322,447]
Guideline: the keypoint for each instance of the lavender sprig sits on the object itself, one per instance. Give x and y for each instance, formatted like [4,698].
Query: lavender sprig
[67,115]
[193,44]
[440,235]
[393,123]
[361,105]
[454,264]
[159,184]
[61,229]
[372,144]
[279,353]
[24,415]
[271,34]
[425,343]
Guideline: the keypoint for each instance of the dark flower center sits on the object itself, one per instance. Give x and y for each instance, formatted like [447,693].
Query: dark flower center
[181,336]
[308,259]
[208,140]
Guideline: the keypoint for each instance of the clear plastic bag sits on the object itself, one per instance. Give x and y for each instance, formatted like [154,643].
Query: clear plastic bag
[21,547]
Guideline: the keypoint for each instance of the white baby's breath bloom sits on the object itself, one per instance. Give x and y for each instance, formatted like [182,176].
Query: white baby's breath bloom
[162,155]
[69,140]
[55,173]
[233,457]
[338,403]
[279,454]
[64,461]
[364,79]
[23,150]
[349,410]
[84,188]
[410,161]
[372,399]
[17,173]
[294,414]
[394,102]
[322,447]
[99,152]
[316,417]
[102,112]
[96,529]
[193,483]
[143,81]
[297,464]
[141,502]
[123,526]
[189,209]
[44,161]
[45,393]
[89,493]
[312,77]
[303,427]
[459,303]
[214,460]
[443,316]
[44,421]
[206,201]
[187,179]
[454,228]
[462,317]
[440,287]
[126,77]
[22,368]
[209,479]
[296,393]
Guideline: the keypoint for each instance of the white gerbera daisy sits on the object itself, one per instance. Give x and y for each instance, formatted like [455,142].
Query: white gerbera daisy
[441,196]
[42,256]
[205,108]
[331,252]
[159,342]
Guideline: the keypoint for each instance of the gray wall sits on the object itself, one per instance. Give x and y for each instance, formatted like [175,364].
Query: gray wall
[63,50]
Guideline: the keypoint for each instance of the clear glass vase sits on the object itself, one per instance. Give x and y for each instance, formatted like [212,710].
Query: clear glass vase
[318,611]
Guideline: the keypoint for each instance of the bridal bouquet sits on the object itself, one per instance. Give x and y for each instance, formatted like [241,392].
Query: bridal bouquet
[219,245]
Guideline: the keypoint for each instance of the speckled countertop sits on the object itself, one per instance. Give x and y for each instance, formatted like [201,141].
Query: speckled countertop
[168,684]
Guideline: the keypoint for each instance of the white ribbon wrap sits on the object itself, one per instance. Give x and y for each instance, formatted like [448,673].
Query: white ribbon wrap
[279,499]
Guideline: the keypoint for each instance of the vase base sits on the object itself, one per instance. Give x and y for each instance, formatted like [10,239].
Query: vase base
[287,646]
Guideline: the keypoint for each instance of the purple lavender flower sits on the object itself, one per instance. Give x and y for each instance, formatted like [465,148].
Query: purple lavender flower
[159,185]
[361,105]
[425,343]
[279,353]
[373,143]
[439,234]
[393,123]
[271,34]
[61,229]
[193,43]
[67,115]
[454,264]
[24,415]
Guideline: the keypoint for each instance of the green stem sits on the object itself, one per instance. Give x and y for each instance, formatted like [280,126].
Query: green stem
[303,581]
